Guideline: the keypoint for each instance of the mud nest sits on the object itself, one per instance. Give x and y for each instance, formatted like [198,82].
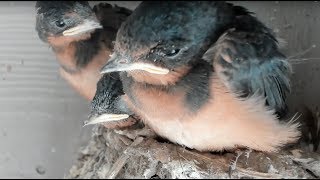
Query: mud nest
[139,154]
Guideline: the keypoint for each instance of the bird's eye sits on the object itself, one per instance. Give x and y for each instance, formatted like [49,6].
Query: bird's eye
[173,52]
[60,24]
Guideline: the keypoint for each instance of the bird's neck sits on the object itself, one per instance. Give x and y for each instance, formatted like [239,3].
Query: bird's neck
[74,53]
[87,49]
[194,83]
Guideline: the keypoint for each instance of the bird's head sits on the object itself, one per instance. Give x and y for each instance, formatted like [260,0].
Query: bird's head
[160,41]
[105,106]
[67,20]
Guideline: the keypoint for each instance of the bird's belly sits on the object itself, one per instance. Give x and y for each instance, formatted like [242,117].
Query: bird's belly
[208,129]
[224,122]
[168,115]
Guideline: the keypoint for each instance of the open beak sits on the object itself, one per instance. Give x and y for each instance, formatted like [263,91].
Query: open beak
[116,64]
[86,26]
[106,118]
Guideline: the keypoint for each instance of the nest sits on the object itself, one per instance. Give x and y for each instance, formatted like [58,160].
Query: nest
[139,154]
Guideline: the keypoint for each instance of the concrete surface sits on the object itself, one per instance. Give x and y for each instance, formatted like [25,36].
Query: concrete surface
[41,117]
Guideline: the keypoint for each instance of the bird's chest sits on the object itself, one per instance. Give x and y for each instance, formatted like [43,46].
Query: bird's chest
[161,110]
[165,112]
[153,103]
[66,57]
[168,114]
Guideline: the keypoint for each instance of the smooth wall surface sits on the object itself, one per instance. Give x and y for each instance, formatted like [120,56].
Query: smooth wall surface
[41,117]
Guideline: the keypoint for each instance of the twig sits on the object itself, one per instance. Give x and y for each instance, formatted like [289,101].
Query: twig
[258,174]
[304,60]
[239,169]
[303,52]
[121,161]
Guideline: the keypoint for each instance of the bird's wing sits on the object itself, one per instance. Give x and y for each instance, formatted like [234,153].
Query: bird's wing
[249,62]
[111,16]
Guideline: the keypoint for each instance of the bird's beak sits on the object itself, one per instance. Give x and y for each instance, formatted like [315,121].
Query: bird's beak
[106,118]
[86,26]
[118,64]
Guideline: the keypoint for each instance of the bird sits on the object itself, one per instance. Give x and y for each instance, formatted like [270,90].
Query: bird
[205,75]
[81,38]
[107,104]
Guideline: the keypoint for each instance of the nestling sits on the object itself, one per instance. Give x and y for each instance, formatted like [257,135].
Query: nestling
[81,38]
[207,75]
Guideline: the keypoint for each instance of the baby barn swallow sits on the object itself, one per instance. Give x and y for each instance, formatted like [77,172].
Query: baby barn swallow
[107,105]
[81,38]
[198,74]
